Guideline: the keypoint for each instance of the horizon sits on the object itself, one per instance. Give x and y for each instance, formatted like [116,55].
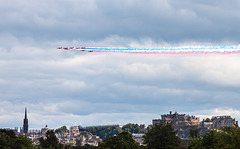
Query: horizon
[120,125]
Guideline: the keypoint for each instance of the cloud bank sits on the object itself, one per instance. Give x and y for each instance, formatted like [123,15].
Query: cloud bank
[163,20]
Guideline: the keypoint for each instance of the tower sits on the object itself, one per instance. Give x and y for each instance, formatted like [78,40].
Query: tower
[25,122]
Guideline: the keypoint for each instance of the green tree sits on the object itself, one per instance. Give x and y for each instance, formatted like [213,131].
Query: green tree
[205,141]
[225,138]
[61,129]
[209,139]
[9,140]
[5,141]
[148,128]
[85,133]
[193,133]
[51,141]
[229,137]
[162,137]
[70,145]
[23,142]
[103,132]
[132,128]
[121,141]
[195,143]
[208,120]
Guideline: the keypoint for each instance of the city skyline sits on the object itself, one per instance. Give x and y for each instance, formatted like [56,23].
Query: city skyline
[185,124]
[89,88]
[25,125]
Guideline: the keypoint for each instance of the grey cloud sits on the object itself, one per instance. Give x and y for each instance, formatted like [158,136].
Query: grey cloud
[171,21]
[115,78]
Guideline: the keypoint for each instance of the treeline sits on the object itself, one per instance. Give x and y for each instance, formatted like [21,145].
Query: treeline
[158,137]
[164,137]
[224,138]
[105,131]
[9,140]
[61,129]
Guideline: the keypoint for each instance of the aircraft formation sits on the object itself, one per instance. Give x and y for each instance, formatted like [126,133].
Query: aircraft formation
[173,50]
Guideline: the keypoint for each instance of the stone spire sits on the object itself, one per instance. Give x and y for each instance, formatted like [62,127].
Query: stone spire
[25,113]
[25,122]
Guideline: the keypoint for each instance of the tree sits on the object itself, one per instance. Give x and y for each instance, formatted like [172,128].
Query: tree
[209,139]
[85,133]
[61,129]
[103,132]
[5,140]
[195,143]
[149,127]
[121,141]
[70,145]
[228,137]
[162,137]
[51,141]
[23,142]
[132,128]
[193,133]
[9,140]
[225,138]
[208,120]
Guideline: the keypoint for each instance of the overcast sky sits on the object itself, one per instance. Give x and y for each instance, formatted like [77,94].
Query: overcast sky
[76,88]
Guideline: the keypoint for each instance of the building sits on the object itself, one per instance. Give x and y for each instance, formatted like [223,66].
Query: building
[44,130]
[222,121]
[138,138]
[25,123]
[177,119]
[216,122]
[92,140]
[181,122]
[74,130]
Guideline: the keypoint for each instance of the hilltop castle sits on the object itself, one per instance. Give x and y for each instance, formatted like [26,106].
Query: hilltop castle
[183,123]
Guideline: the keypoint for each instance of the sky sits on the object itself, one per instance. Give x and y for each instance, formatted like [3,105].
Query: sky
[81,88]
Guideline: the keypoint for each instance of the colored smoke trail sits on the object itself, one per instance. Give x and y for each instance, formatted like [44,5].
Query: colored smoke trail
[175,50]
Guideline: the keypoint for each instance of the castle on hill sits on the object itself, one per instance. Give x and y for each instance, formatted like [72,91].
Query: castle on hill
[183,123]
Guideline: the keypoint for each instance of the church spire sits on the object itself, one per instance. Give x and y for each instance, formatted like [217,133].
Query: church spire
[25,122]
[25,112]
